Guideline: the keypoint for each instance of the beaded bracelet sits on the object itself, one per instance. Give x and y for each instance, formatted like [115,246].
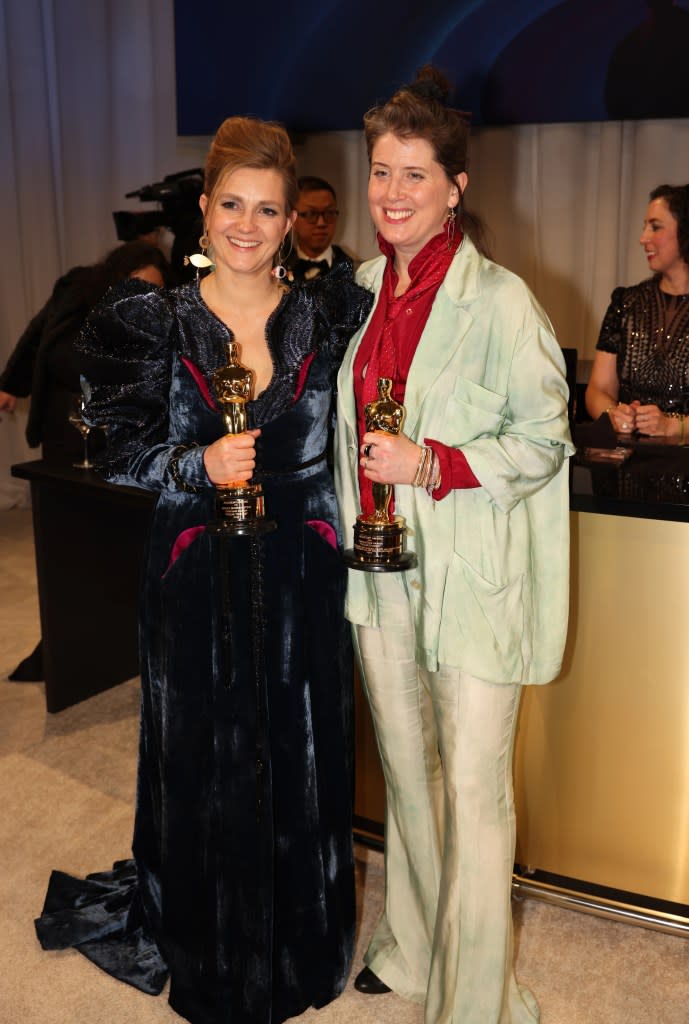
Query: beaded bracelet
[173,467]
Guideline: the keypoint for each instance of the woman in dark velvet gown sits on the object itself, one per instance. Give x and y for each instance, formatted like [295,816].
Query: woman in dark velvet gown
[241,888]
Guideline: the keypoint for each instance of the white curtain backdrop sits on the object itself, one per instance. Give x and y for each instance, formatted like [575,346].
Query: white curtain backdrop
[87,113]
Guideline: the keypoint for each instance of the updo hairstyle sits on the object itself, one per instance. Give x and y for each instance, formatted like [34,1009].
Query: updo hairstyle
[677,199]
[420,111]
[248,142]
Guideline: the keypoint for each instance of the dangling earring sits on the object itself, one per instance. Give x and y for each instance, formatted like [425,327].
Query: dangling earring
[279,271]
[451,223]
[199,259]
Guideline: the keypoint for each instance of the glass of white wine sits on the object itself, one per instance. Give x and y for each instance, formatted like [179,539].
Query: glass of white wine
[76,418]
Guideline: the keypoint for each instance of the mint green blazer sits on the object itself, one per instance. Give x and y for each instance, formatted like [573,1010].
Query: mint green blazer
[490,592]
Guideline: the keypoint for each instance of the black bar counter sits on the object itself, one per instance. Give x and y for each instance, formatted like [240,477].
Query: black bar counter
[651,482]
[89,537]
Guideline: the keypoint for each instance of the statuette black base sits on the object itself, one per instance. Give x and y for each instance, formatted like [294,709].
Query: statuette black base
[379,547]
[240,510]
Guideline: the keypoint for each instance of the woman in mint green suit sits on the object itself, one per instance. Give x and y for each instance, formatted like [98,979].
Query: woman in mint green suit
[479,474]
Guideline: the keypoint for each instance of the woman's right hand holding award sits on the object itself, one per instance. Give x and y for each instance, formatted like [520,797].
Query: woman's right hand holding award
[379,537]
[239,502]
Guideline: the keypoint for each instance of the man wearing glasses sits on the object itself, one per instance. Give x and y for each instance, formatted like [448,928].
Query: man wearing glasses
[313,253]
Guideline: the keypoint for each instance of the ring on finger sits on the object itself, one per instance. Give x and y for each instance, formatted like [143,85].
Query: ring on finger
[367,450]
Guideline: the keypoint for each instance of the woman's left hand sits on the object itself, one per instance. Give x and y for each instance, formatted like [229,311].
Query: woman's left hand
[389,458]
[651,421]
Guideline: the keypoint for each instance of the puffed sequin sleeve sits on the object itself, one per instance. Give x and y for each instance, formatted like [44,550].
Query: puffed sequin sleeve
[340,305]
[126,345]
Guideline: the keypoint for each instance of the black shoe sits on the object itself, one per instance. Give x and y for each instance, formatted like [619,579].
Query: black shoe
[368,982]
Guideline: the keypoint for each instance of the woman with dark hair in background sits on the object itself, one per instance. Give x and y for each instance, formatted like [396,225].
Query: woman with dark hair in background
[479,474]
[45,364]
[242,883]
[640,374]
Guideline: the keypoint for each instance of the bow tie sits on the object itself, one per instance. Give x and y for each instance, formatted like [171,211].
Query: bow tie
[311,267]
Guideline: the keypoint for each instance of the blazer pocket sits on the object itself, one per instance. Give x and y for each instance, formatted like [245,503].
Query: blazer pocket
[482,624]
[473,411]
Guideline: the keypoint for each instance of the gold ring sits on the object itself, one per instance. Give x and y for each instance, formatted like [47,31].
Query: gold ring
[367,450]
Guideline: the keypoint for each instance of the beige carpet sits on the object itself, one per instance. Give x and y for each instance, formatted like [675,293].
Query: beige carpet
[67,793]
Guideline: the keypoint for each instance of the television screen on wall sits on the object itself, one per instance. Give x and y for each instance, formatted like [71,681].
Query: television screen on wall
[319,66]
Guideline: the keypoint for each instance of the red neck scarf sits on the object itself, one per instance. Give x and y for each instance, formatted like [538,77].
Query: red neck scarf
[391,339]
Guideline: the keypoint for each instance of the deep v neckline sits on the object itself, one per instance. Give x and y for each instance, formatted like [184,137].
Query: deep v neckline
[256,398]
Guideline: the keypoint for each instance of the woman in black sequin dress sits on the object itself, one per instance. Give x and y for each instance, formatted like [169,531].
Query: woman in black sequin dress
[640,375]
[241,888]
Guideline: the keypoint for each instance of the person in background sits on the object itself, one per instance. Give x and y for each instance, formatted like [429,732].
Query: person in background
[640,374]
[241,887]
[45,363]
[313,252]
[479,473]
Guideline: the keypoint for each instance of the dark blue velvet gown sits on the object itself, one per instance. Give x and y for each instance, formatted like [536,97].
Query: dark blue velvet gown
[241,888]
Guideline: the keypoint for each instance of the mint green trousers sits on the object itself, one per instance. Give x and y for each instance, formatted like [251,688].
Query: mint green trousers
[446,742]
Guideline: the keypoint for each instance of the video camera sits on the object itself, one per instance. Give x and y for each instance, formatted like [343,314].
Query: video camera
[178,196]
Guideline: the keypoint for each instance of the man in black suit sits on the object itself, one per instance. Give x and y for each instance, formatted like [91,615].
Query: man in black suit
[313,253]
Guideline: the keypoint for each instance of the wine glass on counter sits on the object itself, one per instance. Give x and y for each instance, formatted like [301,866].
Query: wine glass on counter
[76,418]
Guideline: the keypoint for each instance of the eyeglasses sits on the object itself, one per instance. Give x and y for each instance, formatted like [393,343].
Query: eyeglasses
[312,216]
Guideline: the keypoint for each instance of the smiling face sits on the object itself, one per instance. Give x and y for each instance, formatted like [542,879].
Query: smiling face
[659,239]
[409,192]
[247,220]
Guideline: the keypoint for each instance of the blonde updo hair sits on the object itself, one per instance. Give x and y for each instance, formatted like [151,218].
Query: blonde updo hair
[248,142]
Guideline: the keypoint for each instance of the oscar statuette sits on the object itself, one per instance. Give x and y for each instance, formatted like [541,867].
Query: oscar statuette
[379,538]
[238,503]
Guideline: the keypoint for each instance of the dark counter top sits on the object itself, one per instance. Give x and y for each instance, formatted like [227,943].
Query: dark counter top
[651,483]
[84,480]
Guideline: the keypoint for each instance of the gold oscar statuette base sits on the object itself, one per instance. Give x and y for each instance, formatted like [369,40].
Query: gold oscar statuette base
[379,546]
[239,510]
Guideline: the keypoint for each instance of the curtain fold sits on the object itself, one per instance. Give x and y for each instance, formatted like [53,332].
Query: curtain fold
[87,113]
